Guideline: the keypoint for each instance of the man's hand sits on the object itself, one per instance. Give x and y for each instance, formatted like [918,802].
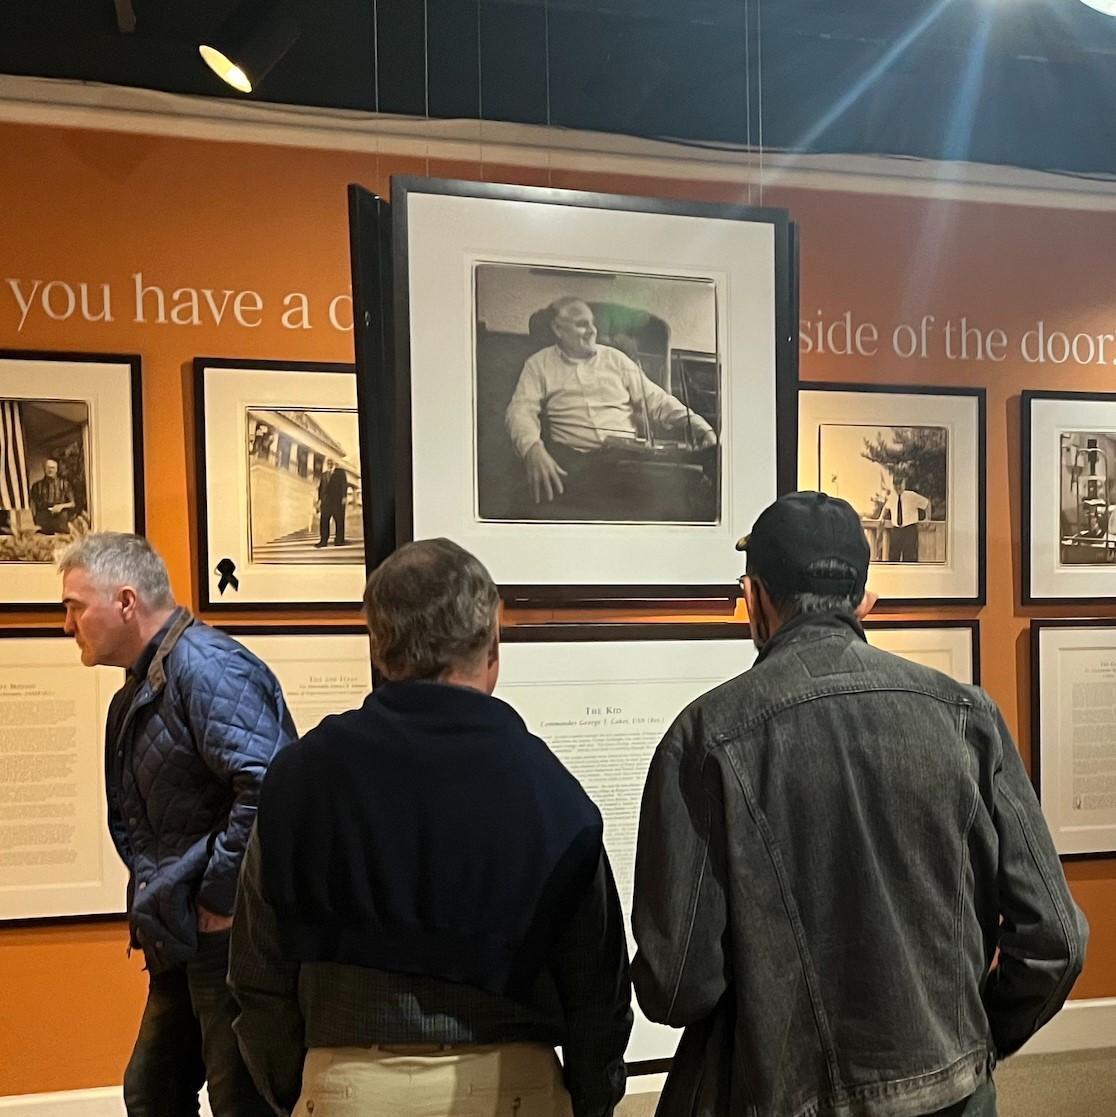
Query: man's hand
[209,922]
[706,439]
[544,474]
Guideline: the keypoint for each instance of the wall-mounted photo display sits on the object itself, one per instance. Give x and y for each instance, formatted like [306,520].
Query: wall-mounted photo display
[596,387]
[56,857]
[602,696]
[952,647]
[911,461]
[1073,731]
[281,490]
[71,462]
[1069,496]
[323,669]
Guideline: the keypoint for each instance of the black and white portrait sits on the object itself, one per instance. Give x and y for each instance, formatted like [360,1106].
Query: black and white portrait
[304,486]
[1087,498]
[897,480]
[597,397]
[44,477]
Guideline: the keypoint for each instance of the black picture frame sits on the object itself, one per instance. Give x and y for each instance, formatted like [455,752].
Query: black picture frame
[1028,566]
[134,388]
[1037,627]
[980,395]
[207,563]
[394,381]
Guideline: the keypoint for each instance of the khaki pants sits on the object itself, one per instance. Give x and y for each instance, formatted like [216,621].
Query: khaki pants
[433,1080]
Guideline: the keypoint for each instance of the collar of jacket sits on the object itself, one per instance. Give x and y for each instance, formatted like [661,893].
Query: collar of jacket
[809,626]
[181,620]
[469,707]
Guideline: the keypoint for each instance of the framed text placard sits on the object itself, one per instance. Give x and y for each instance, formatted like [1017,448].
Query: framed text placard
[952,647]
[602,696]
[56,856]
[1073,732]
[595,389]
[323,669]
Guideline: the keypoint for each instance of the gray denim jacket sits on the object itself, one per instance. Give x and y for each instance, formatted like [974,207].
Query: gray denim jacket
[832,848]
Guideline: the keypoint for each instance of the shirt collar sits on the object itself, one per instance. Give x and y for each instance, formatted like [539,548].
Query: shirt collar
[139,669]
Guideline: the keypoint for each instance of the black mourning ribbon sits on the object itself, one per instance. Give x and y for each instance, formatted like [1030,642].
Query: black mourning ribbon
[227,569]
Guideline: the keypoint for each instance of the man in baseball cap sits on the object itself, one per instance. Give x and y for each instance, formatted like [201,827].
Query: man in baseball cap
[832,848]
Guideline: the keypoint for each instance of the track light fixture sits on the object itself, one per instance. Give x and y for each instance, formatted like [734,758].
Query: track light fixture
[247,46]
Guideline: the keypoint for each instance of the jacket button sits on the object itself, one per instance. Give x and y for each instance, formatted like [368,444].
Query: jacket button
[159,945]
[131,822]
[142,885]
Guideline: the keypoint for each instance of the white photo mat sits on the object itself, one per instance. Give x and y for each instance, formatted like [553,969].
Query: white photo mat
[959,577]
[946,648]
[1049,418]
[229,393]
[105,388]
[321,673]
[447,237]
[56,857]
[1074,740]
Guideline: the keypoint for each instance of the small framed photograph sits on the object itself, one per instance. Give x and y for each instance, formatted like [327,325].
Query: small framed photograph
[71,462]
[602,696]
[1073,732]
[952,647]
[1069,497]
[911,461]
[280,485]
[323,669]
[57,860]
[597,388]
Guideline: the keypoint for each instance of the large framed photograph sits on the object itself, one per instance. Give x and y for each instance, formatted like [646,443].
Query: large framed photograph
[71,462]
[595,388]
[602,696]
[56,857]
[280,485]
[323,669]
[1069,497]
[952,647]
[911,461]
[1073,732]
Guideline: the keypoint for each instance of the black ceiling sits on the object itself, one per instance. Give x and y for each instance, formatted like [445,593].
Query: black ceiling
[1030,83]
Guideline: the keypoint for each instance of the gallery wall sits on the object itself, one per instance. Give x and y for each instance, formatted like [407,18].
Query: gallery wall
[895,289]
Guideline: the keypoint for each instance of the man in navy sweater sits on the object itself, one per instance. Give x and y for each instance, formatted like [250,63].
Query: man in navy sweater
[426,906]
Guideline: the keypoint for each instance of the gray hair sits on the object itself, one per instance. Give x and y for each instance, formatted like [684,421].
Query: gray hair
[564,302]
[117,558]
[793,604]
[431,606]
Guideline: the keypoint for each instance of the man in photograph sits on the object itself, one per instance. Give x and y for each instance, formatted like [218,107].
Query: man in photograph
[845,890]
[900,515]
[427,908]
[52,501]
[333,489]
[592,397]
[188,739]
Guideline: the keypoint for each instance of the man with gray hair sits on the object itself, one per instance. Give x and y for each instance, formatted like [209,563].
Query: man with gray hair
[845,890]
[426,906]
[188,740]
[593,397]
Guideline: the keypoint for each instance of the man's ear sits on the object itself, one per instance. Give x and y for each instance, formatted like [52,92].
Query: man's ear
[128,599]
[751,590]
[867,604]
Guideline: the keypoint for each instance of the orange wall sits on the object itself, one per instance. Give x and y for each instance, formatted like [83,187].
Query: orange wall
[98,207]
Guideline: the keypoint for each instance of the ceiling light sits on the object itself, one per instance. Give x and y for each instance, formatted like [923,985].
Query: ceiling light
[1106,6]
[250,43]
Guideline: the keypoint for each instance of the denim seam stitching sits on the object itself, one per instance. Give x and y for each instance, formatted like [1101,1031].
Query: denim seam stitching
[1063,915]
[695,892]
[958,954]
[804,958]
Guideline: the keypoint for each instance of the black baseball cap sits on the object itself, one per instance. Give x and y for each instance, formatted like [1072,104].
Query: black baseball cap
[800,529]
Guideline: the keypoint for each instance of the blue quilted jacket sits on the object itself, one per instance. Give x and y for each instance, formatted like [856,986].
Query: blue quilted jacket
[183,779]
